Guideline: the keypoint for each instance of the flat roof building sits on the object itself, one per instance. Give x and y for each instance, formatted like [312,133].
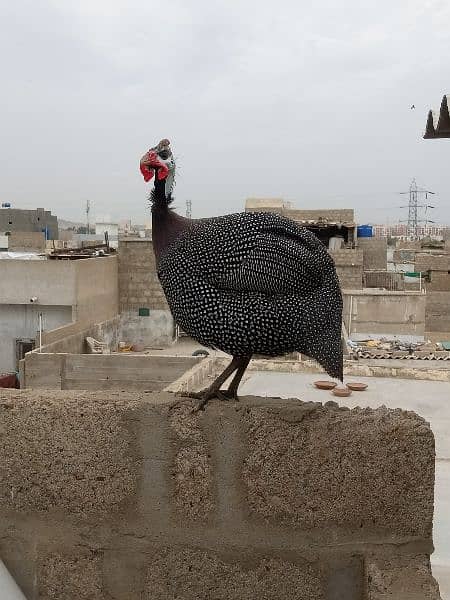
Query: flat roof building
[37,220]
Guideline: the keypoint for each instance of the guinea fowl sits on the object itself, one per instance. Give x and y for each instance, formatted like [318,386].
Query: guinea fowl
[245,283]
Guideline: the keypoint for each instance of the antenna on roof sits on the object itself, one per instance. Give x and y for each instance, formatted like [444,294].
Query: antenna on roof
[189,209]
[88,210]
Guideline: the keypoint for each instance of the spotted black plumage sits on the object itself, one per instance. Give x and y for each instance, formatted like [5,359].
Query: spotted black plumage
[248,283]
[255,283]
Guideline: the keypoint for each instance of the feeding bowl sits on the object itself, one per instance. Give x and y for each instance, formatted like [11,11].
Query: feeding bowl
[325,385]
[357,387]
[342,392]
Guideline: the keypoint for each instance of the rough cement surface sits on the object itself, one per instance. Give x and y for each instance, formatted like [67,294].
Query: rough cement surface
[192,469]
[314,466]
[195,575]
[405,577]
[72,456]
[63,577]
[128,496]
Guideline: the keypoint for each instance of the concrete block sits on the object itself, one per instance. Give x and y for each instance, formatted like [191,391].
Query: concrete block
[73,456]
[130,496]
[195,575]
[432,262]
[374,252]
[70,577]
[402,578]
[365,470]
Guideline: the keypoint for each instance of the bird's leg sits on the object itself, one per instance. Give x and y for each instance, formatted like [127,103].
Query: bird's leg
[214,389]
[231,392]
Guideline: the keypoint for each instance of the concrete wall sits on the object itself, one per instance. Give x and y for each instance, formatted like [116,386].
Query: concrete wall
[31,241]
[333,215]
[52,282]
[103,372]
[155,331]
[438,292]
[374,253]
[376,311]
[72,338]
[77,293]
[89,285]
[139,287]
[22,321]
[432,262]
[349,267]
[409,244]
[97,289]
[404,256]
[14,219]
[131,497]
[438,311]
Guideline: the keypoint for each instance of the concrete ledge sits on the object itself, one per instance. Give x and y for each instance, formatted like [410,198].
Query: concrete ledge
[202,374]
[131,496]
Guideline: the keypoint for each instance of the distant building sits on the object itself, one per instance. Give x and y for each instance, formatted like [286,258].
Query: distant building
[335,228]
[38,292]
[325,223]
[38,220]
[112,229]
[401,231]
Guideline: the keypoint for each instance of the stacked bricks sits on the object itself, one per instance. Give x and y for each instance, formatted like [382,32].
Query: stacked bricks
[432,262]
[374,253]
[26,241]
[130,497]
[138,282]
[349,268]
[437,311]
[338,215]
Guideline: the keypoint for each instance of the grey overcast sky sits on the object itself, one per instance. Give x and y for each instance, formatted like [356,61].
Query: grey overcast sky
[309,101]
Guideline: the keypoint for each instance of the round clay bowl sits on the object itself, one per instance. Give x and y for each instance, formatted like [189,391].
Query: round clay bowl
[357,387]
[342,392]
[325,385]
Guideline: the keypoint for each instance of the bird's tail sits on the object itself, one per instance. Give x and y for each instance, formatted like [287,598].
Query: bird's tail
[328,352]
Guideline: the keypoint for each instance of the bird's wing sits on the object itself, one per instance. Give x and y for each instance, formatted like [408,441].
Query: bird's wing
[267,254]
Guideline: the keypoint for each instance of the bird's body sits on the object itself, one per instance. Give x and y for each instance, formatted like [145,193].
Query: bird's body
[246,283]
[255,283]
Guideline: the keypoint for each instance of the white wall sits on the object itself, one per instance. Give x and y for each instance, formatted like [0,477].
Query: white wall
[22,321]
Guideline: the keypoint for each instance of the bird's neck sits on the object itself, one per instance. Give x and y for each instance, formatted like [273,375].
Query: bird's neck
[167,227]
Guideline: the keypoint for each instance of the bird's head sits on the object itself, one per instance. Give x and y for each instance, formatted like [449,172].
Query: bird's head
[159,159]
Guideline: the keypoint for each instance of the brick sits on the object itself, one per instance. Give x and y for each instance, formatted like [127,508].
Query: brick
[64,577]
[195,575]
[78,458]
[402,578]
[362,469]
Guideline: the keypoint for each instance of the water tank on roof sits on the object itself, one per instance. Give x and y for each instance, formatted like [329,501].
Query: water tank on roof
[365,231]
[6,204]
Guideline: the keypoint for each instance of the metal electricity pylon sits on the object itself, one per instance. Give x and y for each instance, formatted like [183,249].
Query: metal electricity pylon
[413,209]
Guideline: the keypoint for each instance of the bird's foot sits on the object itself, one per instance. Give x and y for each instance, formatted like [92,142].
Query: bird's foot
[226,395]
[206,395]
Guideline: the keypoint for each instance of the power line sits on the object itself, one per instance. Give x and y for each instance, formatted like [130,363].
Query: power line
[413,209]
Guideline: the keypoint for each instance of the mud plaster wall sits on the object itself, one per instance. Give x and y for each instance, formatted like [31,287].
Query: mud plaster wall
[114,496]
